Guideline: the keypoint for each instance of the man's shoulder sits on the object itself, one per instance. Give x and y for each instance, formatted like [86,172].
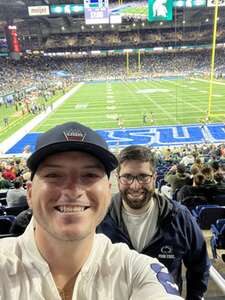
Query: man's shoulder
[8,241]
[8,245]
[180,211]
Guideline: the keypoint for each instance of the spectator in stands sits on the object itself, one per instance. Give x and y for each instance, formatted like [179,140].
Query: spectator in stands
[198,163]
[17,195]
[4,183]
[18,166]
[26,152]
[176,178]
[207,171]
[155,226]
[197,189]
[188,159]
[26,174]
[59,254]
[8,173]
[215,165]
[194,170]
[219,179]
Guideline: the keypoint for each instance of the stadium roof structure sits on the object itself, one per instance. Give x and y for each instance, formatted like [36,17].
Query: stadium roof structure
[42,28]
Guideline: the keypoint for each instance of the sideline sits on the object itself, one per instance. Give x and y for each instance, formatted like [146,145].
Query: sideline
[19,134]
[208,81]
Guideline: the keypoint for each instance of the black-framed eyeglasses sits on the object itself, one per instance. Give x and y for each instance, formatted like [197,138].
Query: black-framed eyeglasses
[129,179]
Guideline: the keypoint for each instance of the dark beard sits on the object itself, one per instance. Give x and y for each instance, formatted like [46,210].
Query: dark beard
[136,203]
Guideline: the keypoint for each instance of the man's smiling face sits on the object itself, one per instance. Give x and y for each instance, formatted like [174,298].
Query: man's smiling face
[69,195]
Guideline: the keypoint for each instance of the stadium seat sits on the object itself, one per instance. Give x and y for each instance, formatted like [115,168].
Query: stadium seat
[206,215]
[13,210]
[218,236]
[218,199]
[3,193]
[5,224]
[192,201]
[3,201]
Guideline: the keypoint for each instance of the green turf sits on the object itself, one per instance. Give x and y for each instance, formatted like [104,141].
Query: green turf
[135,10]
[171,101]
[98,105]
[16,119]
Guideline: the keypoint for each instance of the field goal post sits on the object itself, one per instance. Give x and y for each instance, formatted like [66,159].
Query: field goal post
[209,111]
[138,72]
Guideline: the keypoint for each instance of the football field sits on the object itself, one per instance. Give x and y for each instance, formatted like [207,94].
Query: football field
[115,104]
[158,112]
[131,104]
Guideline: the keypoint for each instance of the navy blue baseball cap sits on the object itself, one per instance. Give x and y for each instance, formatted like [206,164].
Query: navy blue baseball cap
[71,136]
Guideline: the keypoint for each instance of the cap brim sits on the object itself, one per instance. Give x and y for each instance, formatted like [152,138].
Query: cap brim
[107,158]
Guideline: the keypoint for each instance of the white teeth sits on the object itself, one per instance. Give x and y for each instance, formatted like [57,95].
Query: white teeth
[71,209]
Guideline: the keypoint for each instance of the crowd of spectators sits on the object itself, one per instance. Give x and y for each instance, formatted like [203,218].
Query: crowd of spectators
[28,84]
[141,38]
[39,71]
[14,176]
[192,174]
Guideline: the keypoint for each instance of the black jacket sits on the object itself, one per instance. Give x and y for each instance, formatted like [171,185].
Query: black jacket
[178,239]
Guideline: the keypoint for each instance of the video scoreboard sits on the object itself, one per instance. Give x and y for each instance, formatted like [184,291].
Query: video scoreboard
[96,11]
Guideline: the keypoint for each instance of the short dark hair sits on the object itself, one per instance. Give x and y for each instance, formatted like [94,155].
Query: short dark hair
[199,179]
[181,168]
[136,152]
[17,183]
[215,165]
[194,170]
[218,176]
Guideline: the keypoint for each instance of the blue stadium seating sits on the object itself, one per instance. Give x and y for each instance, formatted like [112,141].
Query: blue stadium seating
[206,215]
[5,225]
[218,236]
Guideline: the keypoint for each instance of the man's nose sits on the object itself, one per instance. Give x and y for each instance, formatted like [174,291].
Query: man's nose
[135,184]
[73,186]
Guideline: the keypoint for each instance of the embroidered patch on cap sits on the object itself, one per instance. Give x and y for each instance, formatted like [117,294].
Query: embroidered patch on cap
[74,135]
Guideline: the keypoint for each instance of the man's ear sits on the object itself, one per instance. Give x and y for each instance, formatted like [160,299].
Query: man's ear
[29,193]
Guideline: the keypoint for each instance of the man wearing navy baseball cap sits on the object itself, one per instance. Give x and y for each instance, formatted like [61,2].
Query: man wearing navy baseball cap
[69,137]
[60,256]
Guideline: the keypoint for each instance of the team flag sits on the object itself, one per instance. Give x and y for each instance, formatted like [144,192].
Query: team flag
[160,10]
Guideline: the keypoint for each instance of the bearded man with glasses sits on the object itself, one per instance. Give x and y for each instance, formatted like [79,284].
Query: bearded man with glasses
[154,226]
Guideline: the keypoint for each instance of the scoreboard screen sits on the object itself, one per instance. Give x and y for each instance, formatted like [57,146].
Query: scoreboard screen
[96,11]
